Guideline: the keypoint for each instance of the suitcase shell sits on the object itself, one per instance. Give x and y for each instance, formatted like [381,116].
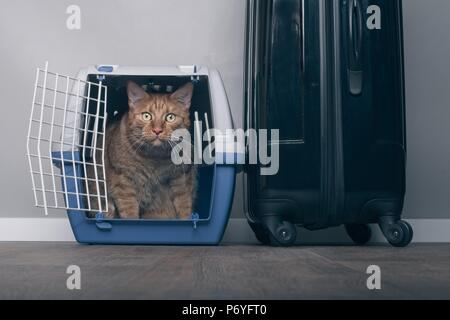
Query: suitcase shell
[329,75]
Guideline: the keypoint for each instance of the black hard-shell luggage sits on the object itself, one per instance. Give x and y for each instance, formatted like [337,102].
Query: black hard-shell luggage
[329,75]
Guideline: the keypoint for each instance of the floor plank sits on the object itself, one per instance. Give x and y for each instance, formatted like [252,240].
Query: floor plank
[38,271]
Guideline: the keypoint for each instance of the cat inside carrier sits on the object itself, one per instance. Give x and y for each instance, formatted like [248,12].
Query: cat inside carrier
[121,149]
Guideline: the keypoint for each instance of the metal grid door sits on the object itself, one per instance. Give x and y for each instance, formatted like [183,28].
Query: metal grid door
[66,143]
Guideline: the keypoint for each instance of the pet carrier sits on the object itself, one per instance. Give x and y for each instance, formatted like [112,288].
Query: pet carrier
[66,139]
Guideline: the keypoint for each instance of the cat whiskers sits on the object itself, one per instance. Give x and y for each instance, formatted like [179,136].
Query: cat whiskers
[137,145]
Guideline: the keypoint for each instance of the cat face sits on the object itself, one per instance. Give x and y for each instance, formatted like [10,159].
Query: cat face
[153,118]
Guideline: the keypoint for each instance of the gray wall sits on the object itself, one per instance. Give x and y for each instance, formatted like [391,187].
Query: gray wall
[208,32]
[427,57]
[124,32]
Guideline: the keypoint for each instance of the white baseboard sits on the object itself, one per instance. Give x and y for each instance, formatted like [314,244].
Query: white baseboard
[238,231]
[35,229]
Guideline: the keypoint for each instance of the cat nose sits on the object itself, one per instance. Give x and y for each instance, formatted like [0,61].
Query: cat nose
[158,131]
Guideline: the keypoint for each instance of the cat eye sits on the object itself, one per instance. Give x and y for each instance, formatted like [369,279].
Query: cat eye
[171,117]
[146,116]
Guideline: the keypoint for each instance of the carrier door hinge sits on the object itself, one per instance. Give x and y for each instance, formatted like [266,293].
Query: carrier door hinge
[195,219]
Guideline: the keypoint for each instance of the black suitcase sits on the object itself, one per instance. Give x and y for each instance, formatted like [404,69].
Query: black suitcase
[329,75]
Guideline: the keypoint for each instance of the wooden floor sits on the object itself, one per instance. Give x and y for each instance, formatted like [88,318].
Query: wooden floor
[38,271]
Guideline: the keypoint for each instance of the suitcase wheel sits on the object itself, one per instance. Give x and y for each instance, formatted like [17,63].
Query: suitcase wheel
[399,234]
[359,233]
[285,235]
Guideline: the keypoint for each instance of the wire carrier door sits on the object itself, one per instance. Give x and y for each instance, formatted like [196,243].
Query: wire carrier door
[66,143]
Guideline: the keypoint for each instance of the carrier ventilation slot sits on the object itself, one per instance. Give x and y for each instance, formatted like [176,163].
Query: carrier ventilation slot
[66,143]
[199,134]
[208,132]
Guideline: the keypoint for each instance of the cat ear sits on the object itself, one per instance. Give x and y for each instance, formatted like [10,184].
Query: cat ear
[135,94]
[184,95]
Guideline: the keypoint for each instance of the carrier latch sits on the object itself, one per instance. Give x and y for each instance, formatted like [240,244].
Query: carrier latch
[192,69]
[195,78]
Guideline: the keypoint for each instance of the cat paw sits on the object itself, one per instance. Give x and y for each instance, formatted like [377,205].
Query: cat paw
[159,216]
[129,217]
[186,216]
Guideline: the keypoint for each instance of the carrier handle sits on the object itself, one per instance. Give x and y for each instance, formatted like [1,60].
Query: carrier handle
[355,39]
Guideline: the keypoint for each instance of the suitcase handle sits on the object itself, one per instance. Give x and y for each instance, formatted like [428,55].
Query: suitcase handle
[355,72]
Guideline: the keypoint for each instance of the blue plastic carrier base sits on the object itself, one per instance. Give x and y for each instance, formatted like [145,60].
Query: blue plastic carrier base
[201,230]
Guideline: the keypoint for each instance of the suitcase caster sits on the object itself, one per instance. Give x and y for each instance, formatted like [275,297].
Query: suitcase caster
[285,235]
[359,233]
[281,233]
[398,233]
